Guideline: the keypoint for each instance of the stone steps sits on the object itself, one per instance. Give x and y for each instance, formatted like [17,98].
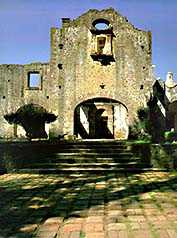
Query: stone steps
[72,159]
[91,156]
[92,150]
[81,170]
[84,164]
[94,154]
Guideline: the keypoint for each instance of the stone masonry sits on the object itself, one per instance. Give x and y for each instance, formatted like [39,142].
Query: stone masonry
[90,70]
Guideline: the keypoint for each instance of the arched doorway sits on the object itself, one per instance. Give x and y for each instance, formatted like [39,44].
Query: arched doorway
[99,118]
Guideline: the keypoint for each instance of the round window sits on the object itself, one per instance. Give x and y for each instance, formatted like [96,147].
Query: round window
[101,26]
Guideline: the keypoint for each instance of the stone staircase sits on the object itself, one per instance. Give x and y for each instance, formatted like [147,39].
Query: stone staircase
[79,156]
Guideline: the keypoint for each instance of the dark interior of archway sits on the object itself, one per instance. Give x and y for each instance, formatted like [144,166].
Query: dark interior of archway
[101,125]
[98,124]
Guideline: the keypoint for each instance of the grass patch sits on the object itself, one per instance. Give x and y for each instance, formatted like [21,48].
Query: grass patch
[82,235]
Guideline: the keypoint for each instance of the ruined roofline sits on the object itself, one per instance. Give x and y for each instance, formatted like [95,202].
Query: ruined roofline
[8,65]
[95,11]
[33,63]
[106,11]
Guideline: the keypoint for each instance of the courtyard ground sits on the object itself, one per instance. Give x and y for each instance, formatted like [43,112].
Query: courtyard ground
[110,205]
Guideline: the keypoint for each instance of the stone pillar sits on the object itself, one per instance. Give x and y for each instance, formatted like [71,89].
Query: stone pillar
[120,122]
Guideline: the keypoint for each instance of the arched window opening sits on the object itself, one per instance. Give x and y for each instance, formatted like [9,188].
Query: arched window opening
[101,43]
[102,26]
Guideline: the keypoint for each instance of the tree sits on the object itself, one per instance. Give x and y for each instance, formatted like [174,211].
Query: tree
[32,118]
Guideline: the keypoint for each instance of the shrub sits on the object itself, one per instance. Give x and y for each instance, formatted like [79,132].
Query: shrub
[32,118]
[141,127]
[170,136]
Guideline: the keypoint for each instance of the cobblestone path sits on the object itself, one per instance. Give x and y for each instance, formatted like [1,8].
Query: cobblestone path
[112,205]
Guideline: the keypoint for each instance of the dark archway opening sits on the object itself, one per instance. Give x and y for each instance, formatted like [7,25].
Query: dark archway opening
[99,124]
[98,118]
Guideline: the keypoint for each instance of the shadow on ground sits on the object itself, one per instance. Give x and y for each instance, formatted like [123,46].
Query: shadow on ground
[26,200]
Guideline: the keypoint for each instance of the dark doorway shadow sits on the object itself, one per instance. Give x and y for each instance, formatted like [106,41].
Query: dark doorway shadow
[101,125]
[93,124]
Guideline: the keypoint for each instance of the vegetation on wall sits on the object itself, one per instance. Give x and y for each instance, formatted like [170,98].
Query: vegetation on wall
[32,118]
[170,136]
[141,129]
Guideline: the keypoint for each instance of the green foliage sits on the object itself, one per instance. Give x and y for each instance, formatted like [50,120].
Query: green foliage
[141,128]
[82,234]
[170,136]
[138,131]
[30,112]
[32,118]
[143,114]
[12,118]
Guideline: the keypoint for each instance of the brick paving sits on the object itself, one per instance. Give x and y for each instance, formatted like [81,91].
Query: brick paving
[111,205]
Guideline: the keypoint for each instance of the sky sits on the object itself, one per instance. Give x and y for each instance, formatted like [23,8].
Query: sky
[25,27]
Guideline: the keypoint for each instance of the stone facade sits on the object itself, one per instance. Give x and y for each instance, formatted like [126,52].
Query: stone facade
[96,80]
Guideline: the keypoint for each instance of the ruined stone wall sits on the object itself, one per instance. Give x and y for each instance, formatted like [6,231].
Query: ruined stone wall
[74,75]
[15,92]
[57,77]
[11,85]
[127,78]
